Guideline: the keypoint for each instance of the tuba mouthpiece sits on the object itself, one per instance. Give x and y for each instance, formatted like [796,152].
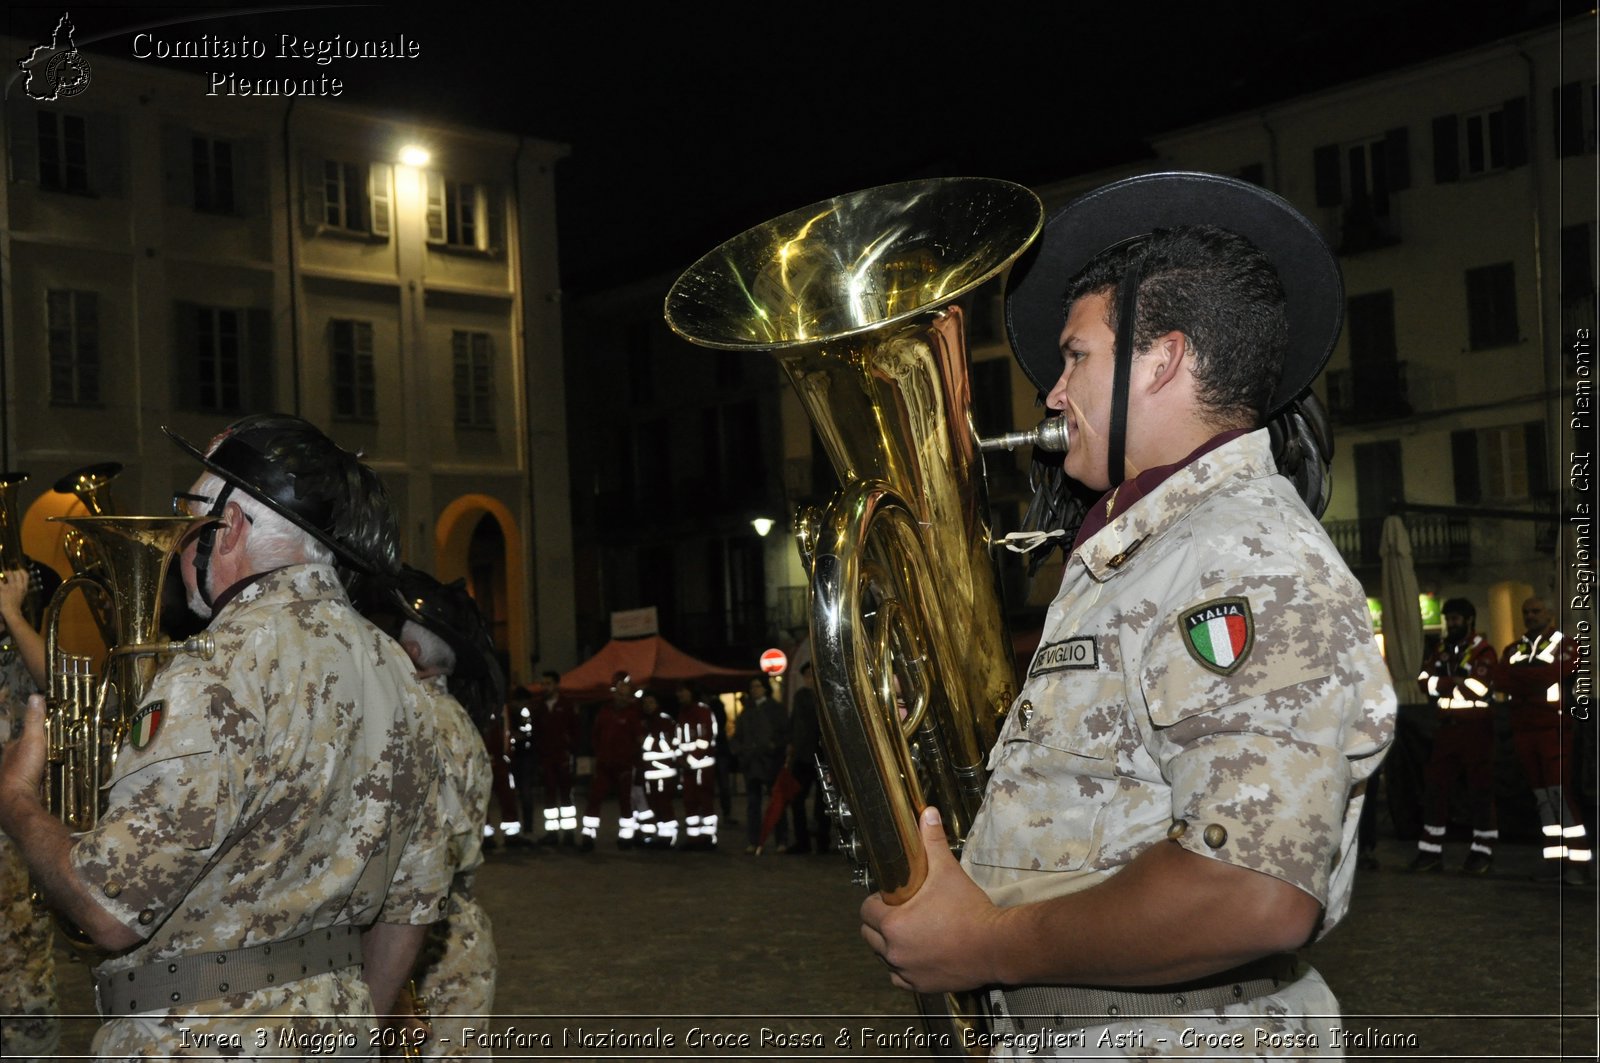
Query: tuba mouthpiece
[1049,434]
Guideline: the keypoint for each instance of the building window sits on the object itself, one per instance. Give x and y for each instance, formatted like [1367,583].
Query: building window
[63,152]
[213,174]
[219,359]
[1491,306]
[355,386]
[464,214]
[1575,106]
[1480,142]
[73,323]
[1360,175]
[472,354]
[1502,464]
[1376,388]
[348,197]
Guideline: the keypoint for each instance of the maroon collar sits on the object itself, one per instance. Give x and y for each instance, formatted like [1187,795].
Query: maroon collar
[1121,498]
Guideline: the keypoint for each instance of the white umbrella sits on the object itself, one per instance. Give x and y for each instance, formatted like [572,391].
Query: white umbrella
[1402,614]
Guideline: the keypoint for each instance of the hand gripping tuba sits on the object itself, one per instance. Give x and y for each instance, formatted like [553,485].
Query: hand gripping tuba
[859,298]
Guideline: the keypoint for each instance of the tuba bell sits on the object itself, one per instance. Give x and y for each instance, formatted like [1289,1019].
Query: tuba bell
[92,487]
[860,300]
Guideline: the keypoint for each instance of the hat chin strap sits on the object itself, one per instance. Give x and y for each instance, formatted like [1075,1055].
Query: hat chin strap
[1127,308]
[203,545]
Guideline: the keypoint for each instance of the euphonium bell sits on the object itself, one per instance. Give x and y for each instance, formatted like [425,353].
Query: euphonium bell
[91,484]
[859,298]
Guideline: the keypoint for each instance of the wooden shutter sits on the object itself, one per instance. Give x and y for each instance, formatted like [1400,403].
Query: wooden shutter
[1464,465]
[1397,156]
[1446,149]
[313,192]
[435,208]
[1517,132]
[380,182]
[1325,167]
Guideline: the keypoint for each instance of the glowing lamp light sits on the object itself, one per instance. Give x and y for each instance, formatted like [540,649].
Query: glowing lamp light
[415,155]
[762,525]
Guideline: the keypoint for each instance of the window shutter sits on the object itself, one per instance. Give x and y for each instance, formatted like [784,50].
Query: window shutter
[380,179]
[435,208]
[313,192]
[495,210]
[104,132]
[1566,113]
[1397,155]
[1446,149]
[257,347]
[1325,166]
[1517,131]
[184,339]
[249,177]
[1538,473]
[1464,462]
[177,166]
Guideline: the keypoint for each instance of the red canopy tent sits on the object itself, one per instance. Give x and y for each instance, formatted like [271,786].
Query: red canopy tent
[651,661]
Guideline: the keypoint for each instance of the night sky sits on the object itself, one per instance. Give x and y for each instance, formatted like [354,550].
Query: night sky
[690,122]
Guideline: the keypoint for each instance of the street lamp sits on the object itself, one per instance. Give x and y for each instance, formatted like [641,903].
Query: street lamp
[415,155]
[762,525]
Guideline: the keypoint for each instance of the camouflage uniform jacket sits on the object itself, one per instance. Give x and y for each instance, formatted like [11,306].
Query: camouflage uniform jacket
[268,792]
[457,970]
[1207,673]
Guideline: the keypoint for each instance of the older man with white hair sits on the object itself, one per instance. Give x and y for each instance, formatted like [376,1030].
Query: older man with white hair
[263,873]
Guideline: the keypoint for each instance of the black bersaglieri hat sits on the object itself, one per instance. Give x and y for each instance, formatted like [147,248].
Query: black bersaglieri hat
[1128,209]
[292,467]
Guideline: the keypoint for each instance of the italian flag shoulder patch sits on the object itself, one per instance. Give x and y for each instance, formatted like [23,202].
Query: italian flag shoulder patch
[1219,634]
[142,731]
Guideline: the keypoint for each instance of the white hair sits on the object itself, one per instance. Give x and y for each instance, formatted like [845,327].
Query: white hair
[434,651]
[275,541]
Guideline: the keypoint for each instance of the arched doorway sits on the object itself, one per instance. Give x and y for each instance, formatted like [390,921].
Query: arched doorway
[477,539]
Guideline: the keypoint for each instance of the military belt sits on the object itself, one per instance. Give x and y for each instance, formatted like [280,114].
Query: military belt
[1062,1007]
[194,979]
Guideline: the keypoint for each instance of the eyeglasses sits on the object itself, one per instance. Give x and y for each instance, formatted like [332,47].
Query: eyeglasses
[187,504]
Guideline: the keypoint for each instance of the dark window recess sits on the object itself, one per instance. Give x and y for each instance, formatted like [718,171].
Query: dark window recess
[1491,306]
[1374,359]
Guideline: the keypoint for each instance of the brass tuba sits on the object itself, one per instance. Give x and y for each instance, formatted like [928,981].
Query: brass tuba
[859,298]
[87,716]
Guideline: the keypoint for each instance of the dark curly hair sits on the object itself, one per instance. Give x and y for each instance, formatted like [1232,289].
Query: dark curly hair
[1217,289]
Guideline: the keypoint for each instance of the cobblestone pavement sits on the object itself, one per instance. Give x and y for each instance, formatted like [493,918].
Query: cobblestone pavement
[712,949]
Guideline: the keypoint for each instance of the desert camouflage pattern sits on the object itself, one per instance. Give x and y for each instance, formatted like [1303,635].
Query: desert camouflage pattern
[29,1027]
[279,794]
[457,970]
[1123,736]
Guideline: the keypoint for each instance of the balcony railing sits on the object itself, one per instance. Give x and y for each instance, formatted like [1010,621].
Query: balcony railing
[1436,539]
